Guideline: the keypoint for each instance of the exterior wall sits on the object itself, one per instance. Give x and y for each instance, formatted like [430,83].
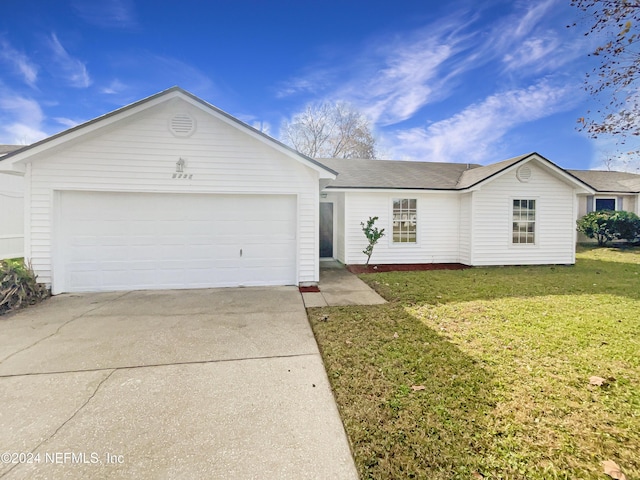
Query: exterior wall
[140,154]
[628,202]
[555,220]
[437,225]
[466,228]
[11,216]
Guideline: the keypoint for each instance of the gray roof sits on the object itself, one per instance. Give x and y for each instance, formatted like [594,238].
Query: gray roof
[4,149]
[477,175]
[604,181]
[398,174]
[365,173]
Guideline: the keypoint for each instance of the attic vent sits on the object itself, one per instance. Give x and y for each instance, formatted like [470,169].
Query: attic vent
[182,125]
[524,173]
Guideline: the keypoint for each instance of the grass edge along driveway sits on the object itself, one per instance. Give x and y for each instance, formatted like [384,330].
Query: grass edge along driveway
[485,373]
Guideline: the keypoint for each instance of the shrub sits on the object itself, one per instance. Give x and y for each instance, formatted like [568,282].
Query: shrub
[608,225]
[19,286]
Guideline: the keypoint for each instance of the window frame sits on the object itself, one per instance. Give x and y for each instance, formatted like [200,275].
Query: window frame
[392,240]
[535,221]
[595,203]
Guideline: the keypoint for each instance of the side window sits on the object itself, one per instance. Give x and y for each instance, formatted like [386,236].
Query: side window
[524,222]
[404,220]
[605,204]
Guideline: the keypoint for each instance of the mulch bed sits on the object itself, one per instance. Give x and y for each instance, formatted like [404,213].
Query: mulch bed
[405,267]
[311,289]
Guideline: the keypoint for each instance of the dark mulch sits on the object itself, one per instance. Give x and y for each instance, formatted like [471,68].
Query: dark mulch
[405,267]
[313,288]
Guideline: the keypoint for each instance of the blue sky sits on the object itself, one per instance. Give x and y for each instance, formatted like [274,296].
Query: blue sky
[461,80]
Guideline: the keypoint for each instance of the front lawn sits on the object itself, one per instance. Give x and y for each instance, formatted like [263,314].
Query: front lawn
[485,373]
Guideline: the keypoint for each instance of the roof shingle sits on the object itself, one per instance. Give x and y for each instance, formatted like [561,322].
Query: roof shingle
[605,181]
[365,173]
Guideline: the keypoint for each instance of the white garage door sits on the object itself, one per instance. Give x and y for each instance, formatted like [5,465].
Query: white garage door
[121,241]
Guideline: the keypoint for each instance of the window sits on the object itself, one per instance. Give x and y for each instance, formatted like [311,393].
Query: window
[404,220]
[605,204]
[524,221]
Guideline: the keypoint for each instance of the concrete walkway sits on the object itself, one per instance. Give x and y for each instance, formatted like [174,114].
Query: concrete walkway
[338,286]
[219,384]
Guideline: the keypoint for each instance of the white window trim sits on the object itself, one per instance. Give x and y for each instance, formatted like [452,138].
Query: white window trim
[596,198]
[536,231]
[403,244]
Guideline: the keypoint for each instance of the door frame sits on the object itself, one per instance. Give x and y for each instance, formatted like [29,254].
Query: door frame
[334,228]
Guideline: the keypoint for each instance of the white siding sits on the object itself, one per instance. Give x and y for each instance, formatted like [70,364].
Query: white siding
[11,216]
[555,220]
[437,228]
[140,154]
[466,212]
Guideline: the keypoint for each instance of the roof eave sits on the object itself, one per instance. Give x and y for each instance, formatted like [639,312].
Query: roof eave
[387,189]
[569,178]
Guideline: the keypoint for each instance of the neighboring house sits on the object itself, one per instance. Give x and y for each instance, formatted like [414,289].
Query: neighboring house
[11,211]
[171,192]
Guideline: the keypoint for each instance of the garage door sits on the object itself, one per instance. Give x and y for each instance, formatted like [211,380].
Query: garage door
[121,241]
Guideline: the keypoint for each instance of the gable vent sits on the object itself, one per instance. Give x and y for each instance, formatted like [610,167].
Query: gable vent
[524,173]
[182,125]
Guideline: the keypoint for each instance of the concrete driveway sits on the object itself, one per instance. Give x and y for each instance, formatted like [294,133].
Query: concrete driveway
[222,383]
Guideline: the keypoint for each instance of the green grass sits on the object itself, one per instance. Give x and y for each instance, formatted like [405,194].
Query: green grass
[504,356]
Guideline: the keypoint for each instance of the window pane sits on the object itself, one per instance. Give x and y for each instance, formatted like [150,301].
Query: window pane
[523,221]
[605,203]
[404,220]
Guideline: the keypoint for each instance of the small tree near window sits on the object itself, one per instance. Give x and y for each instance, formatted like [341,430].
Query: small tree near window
[608,225]
[373,234]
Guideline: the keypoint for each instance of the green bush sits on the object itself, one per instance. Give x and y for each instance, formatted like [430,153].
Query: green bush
[19,286]
[609,225]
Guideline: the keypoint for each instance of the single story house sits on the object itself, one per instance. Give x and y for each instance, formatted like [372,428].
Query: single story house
[171,192]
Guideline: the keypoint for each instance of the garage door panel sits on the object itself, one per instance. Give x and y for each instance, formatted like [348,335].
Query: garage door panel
[119,241]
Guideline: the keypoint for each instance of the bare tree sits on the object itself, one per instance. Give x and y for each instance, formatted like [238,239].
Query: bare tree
[614,80]
[331,130]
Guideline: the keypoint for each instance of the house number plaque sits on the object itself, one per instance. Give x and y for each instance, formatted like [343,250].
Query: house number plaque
[181,165]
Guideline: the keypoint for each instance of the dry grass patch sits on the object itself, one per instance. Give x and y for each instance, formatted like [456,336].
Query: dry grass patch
[504,356]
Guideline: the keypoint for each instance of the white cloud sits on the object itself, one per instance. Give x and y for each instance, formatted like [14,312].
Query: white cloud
[535,52]
[107,13]
[313,83]
[21,119]
[474,134]
[114,88]
[393,78]
[74,70]
[411,78]
[21,63]
[67,122]
[534,14]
